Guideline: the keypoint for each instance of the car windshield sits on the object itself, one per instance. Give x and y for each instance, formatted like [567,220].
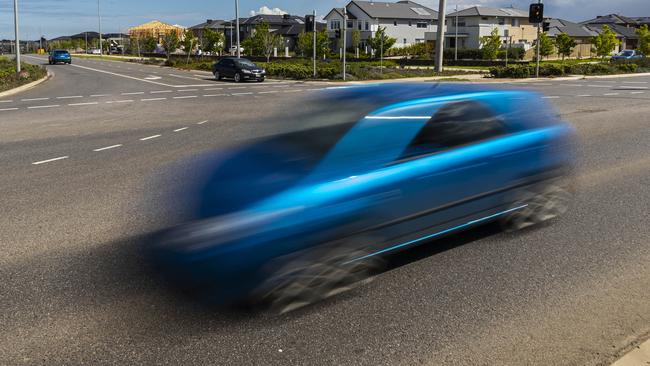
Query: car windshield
[626,53]
[245,63]
[59,53]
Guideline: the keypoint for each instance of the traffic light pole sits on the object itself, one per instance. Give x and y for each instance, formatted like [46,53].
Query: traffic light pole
[17,43]
[345,29]
[440,42]
[538,44]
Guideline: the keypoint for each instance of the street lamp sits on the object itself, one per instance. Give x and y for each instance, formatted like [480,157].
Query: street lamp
[99,21]
[440,42]
[17,42]
[237,22]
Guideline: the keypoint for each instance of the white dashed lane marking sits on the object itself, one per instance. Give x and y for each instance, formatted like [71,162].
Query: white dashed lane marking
[187,90]
[551,97]
[134,93]
[181,129]
[584,95]
[8,109]
[49,160]
[152,99]
[610,94]
[215,95]
[202,122]
[99,95]
[107,148]
[269,92]
[637,92]
[70,97]
[33,99]
[161,91]
[240,94]
[186,97]
[11,101]
[80,104]
[150,137]
[120,101]
[44,106]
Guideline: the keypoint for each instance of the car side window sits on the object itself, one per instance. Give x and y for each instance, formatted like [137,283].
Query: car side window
[455,124]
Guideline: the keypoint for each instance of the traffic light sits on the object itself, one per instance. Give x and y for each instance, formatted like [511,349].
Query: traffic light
[309,23]
[337,34]
[536,14]
[546,26]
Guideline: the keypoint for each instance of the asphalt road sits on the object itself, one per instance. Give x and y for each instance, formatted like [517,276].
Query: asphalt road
[77,156]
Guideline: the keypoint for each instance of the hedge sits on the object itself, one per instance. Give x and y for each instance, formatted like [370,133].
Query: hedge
[9,79]
[525,71]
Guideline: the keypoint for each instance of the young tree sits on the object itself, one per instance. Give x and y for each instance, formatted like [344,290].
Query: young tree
[375,42]
[644,39]
[189,41]
[170,43]
[268,41]
[148,44]
[605,42]
[213,41]
[564,44]
[356,39]
[304,45]
[491,44]
[545,44]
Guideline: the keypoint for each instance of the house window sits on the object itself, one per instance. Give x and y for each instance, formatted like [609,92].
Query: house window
[367,25]
[422,24]
[404,40]
[484,18]
[359,24]
[515,22]
[350,24]
[410,24]
[395,23]
[461,22]
[335,24]
[502,21]
[419,40]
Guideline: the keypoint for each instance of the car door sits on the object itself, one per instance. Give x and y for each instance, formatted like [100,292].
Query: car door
[453,178]
[229,68]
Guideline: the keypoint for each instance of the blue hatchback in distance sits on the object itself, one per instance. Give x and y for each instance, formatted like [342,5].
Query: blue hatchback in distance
[60,56]
[291,219]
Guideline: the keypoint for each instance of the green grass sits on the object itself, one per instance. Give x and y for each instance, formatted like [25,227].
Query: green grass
[9,79]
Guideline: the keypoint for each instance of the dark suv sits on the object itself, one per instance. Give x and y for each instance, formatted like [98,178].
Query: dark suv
[239,69]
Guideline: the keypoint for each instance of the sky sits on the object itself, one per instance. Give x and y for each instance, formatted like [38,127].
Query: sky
[53,18]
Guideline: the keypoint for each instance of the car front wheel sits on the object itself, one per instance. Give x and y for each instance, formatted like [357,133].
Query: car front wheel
[237,77]
[217,75]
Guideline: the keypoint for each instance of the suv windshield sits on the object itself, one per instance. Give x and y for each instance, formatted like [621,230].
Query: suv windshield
[60,52]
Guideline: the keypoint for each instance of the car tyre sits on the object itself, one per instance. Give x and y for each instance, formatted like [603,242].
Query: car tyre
[217,75]
[542,204]
[318,275]
[237,77]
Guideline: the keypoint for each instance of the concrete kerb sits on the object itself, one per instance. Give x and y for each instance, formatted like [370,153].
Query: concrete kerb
[639,355]
[25,87]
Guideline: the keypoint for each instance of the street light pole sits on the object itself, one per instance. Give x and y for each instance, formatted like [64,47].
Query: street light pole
[99,22]
[440,42]
[345,29]
[237,22]
[456,37]
[17,41]
[314,13]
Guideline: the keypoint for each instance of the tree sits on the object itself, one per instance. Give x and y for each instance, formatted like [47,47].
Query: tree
[148,44]
[356,39]
[644,39]
[304,44]
[545,44]
[170,43]
[375,42]
[189,41]
[605,42]
[491,44]
[267,40]
[564,44]
[213,41]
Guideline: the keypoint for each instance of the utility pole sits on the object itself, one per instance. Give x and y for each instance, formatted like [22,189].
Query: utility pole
[314,13]
[237,22]
[345,30]
[538,44]
[456,37]
[440,42]
[17,41]
[99,21]
[381,53]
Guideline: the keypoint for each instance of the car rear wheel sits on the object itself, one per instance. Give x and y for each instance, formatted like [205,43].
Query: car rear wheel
[217,75]
[318,275]
[539,205]
[237,77]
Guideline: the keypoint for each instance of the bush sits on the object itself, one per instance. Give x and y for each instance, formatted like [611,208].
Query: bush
[463,54]
[514,53]
[9,79]
[513,71]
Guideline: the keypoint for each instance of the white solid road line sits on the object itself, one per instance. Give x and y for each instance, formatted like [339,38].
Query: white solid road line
[44,106]
[33,99]
[119,101]
[49,160]
[152,99]
[70,97]
[202,122]
[181,129]
[634,82]
[133,93]
[80,104]
[150,137]
[107,148]
[122,75]
[8,109]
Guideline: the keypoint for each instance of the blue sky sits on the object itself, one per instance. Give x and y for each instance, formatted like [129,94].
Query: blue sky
[54,18]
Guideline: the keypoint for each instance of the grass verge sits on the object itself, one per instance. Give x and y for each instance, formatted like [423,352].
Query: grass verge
[9,79]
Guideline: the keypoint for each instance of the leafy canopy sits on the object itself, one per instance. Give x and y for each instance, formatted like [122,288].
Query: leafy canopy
[605,42]
[491,44]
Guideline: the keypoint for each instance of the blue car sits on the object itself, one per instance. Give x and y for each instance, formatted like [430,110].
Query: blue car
[627,55]
[292,219]
[59,56]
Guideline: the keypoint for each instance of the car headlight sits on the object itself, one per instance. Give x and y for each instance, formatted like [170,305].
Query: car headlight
[246,71]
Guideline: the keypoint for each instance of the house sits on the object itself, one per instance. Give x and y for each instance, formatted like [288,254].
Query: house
[406,21]
[624,27]
[286,25]
[478,21]
[214,25]
[155,29]
[582,35]
[611,19]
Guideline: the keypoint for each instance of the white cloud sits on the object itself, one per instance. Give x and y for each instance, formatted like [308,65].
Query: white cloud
[265,10]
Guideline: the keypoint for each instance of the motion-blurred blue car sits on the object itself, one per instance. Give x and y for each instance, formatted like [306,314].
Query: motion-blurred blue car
[59,56]
[298,217]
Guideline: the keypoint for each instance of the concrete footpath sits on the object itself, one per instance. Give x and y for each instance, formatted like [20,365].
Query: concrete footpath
[638,356]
